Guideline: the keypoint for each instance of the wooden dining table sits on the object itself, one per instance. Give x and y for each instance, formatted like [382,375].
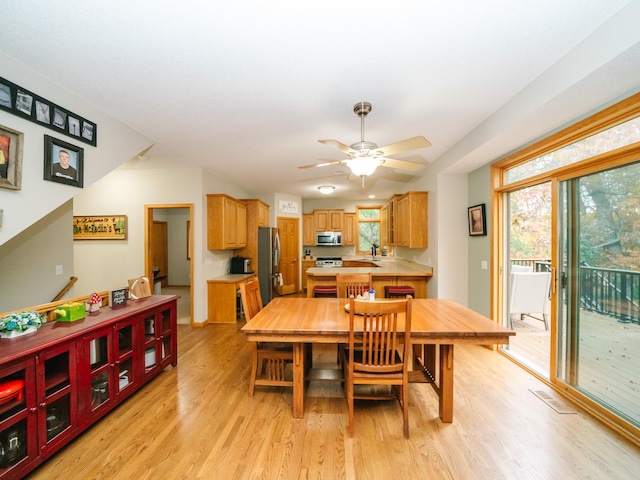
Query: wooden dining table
[436,326]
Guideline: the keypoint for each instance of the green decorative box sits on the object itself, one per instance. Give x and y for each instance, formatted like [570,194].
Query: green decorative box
[70,312]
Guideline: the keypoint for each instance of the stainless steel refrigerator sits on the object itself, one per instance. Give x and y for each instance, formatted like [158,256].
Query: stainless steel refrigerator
[268,261]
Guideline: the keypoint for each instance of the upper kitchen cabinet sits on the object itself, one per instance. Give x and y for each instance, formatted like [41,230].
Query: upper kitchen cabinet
[384,227]
[349,229]
[411,220]
[328,220]
[226,222]
[308,229]
[257,216]
[392,220]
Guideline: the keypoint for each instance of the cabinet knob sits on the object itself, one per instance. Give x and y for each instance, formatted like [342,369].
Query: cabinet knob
[43,405]
[33,410]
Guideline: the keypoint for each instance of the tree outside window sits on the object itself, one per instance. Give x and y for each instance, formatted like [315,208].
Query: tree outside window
[368,227]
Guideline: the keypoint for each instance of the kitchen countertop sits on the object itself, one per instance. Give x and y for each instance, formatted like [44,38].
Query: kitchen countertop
[231,278]
[384,266]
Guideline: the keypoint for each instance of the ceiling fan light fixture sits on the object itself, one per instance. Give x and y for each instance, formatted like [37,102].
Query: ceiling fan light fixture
[326,189]
[363,167]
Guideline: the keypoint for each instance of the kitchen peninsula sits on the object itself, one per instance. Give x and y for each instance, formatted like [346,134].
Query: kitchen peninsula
[385,270]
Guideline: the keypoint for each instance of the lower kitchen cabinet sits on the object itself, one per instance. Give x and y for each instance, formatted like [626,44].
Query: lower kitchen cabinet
[57,382]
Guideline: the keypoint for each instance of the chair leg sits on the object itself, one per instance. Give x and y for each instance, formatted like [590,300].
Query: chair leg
[254,369]
[405,409]
[350,404]
[546,321]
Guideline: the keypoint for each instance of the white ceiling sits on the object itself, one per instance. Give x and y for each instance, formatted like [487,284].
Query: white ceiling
[246,88]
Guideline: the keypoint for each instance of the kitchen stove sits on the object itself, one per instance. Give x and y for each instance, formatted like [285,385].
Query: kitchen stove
[328,262]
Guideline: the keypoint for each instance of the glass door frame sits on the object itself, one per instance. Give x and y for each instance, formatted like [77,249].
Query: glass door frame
[607,118]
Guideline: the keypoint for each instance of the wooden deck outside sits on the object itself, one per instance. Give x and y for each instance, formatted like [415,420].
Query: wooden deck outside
[609,358]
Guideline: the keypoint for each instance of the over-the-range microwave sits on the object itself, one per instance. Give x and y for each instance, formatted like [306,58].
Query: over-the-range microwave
[328,238]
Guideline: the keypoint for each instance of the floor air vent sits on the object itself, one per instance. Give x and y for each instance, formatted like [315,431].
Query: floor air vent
[552,402]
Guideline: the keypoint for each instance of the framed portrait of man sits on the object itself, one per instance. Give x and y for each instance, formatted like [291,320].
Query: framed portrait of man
[63,162]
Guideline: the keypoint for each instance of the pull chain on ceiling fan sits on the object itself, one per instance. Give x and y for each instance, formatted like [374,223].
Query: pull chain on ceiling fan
[365,157]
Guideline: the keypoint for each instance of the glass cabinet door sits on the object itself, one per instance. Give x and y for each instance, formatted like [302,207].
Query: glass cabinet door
[152,330]
[99,393]
[124,342]
[57,396]
[18,433]
[167,339]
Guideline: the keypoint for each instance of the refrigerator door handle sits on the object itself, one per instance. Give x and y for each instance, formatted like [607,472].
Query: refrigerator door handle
[276,252]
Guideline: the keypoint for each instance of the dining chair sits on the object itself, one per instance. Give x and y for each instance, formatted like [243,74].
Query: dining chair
[375,356]
[353,284]
[269,359]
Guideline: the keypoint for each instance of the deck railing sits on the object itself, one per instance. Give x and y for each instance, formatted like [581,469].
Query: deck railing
[611,292]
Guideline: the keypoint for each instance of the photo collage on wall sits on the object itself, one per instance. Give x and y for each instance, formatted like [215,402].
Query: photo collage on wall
[25,104]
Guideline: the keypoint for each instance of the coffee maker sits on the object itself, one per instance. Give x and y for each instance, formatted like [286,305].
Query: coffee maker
[241,265]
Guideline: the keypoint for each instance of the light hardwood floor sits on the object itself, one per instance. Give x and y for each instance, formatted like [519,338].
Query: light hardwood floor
[197,421]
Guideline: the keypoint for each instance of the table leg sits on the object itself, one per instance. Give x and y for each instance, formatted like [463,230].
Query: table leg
[298,380]
[446,383]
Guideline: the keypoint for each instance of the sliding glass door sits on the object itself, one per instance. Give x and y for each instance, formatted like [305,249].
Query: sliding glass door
[598,307]
[528,274]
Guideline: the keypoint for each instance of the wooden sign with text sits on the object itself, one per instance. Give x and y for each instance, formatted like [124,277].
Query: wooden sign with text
[113,227]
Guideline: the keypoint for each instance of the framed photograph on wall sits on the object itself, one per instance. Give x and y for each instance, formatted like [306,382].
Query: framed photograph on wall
[11,145]
[63,162]
[477,220]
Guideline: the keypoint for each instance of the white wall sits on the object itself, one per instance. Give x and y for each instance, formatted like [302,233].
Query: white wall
[28,261]
[452,233]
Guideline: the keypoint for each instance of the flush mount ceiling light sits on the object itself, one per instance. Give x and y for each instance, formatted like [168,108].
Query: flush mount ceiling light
[326,189]
[366,157]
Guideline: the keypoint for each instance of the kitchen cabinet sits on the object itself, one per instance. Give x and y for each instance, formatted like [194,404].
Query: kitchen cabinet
[308,230]
[384,227]
[412,220]
[306,264]
[222,297]
[328,220]
[257,216]
[392,220]
[72,376]
[349,233]
[226,222]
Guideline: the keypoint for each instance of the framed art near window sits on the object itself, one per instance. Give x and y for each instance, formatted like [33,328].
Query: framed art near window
[63,162]
[11,143]
[477,220]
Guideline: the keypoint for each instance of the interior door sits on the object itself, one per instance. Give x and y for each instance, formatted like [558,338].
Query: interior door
[288,229]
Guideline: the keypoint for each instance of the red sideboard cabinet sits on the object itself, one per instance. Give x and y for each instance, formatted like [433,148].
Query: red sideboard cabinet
[67,376]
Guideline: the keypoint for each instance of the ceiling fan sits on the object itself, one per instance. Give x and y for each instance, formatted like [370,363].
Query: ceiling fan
[365,157]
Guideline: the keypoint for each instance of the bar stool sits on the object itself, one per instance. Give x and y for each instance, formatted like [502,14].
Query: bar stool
[391,291]
[325,291]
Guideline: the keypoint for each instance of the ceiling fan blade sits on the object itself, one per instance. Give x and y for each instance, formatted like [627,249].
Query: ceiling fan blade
[324,164]
[402,164]
[336,144]
[404,146]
